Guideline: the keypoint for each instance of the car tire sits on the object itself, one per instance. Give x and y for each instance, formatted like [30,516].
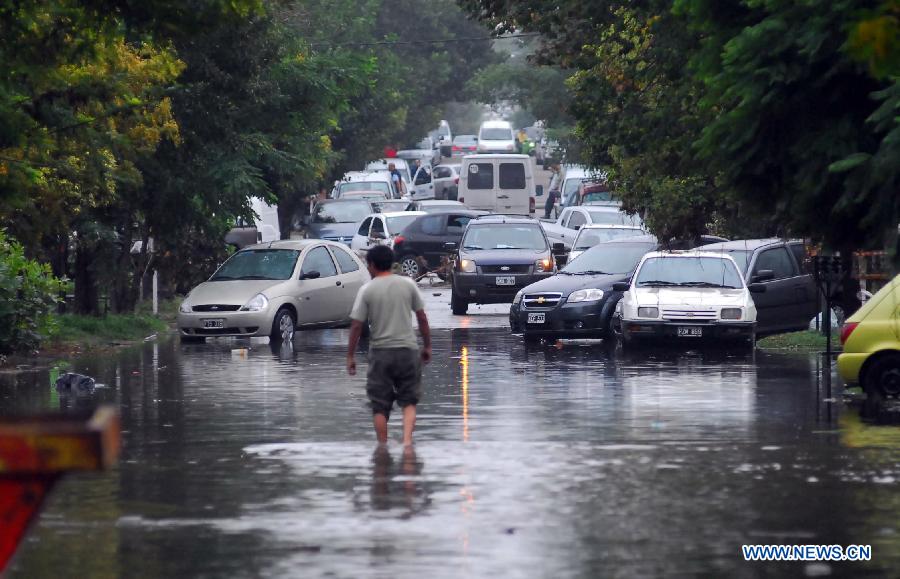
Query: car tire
[530,338]
[283,325]
[193,339]
[458,306]
[883,377]
[409,266]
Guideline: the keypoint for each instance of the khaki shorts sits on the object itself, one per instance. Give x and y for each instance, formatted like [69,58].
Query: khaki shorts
[395,374]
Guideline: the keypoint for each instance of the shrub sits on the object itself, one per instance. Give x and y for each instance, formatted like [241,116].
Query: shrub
[28,294]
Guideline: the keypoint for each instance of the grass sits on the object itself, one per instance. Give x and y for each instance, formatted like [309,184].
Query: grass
[89,330]
[805,340]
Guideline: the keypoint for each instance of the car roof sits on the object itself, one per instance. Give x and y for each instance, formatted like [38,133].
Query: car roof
[350,199]
[747,244]
[386,162]
[498,218]
[363,176]
[397,213]
[496,125]
[692,253]
[296,244]
[496,156]
[427,202]
[609,226]
[636,239]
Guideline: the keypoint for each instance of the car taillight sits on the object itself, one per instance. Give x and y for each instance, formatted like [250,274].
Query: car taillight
[531,204]
[455,148]
[398,240]
[847,330]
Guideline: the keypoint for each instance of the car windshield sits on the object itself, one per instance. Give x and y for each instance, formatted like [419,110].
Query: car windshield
[400,222]
[597,197]
[571,186]
[341,212]
[505,237]
[258,264]
[496,134]
[615,218]
[381,186]
[620,258]
[383,206]
[688,271]
[588,238]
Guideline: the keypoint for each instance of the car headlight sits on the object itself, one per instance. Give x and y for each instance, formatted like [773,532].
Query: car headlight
[518,297]
[543,265]
[585,295]
[732,313]
[257,303]
[648,312]
[467,266]
[184,308]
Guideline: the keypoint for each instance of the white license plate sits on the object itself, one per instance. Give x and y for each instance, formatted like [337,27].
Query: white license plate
[213,324]
[506,280]
[690,331]
[537,318]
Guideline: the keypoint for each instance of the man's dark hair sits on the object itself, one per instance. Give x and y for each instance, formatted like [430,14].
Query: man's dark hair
[381,257]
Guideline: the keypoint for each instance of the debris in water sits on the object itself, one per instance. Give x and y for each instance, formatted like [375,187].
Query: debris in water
[240,353]
[72,382]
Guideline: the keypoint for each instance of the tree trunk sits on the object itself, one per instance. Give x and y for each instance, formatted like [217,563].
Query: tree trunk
[85,283]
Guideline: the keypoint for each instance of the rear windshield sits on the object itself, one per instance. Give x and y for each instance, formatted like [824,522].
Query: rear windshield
[496,134]
[481,176]
[341,212]
[614,218]
[512,176]
[689,272]
[258,264]
[609,258]
[590,237]
[496,236]
[465,139]
[380,186]
[401,222]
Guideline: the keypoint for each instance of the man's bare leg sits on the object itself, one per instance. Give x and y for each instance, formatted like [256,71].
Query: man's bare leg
[409,423]
[381,423]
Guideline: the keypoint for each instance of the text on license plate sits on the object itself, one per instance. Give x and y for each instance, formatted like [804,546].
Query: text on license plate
[506,280]
[690,331]
[213,324]
[537,318]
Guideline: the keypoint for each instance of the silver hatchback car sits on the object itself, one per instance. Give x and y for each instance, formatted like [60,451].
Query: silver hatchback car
[272,288]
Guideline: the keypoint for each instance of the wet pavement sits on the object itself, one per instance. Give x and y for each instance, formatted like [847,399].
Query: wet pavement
[570,460]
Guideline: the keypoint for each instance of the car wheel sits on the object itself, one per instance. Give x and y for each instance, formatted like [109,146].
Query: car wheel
[409,266]
[884,376]
[193,339]
[458,306]
[283,325]
[530,338]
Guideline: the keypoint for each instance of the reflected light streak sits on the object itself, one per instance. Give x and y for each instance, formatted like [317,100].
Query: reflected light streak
[464,362]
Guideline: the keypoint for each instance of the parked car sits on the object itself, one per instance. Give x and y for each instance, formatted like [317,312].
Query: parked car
[263,228]
[425,150]
[423,243]
[498,255]
[590,235]
[381,229]
[271,289]
[464,145]
[496,137]
[363,181]
[435,206]
[790,300]
[591,193]
[691,295]
[337,219]
[446,182]
[498,183]
[871,340]
[571,219]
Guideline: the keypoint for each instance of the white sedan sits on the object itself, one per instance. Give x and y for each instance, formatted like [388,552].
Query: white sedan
[381,229]
[687,296]
[272,288]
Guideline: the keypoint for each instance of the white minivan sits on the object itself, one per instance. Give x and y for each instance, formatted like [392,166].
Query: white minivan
[498,183]
[496,137]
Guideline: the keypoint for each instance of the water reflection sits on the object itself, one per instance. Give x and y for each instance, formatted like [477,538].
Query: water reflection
[398,485]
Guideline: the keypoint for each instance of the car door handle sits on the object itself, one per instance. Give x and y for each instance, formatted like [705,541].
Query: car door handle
[337,283]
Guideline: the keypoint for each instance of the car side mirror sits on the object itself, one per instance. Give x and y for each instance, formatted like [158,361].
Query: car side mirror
[621,286]
[763,275]
[311,275]
[757,288]
[450,246]
[539,191]
[559,248]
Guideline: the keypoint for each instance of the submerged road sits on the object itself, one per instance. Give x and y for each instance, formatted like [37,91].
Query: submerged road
[554,460]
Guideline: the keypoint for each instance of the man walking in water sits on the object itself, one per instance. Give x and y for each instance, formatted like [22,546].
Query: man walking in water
[395,361]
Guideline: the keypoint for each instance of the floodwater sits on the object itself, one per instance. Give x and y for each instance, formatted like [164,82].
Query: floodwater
[531,461]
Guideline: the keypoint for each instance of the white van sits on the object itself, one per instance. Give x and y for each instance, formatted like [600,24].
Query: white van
[496,137]
[498,183]
[264,228]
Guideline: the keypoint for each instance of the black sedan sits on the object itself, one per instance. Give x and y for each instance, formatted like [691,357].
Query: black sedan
[579,301]
[421,245]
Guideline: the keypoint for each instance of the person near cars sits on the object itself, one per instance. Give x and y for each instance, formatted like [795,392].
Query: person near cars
[521,139]
[424,177]
[552,198]
[395,361]
[396,180]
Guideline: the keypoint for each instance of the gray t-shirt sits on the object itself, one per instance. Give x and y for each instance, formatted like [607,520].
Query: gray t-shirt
[387,303]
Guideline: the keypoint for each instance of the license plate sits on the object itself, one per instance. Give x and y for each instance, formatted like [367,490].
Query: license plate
[213,324]
[537,318]
[506,280]
[690,332]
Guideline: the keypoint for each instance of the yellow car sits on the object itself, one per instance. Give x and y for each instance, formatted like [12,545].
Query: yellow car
[871,340]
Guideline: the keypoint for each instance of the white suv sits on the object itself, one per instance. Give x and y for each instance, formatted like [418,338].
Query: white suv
[686,296]
[496,137]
